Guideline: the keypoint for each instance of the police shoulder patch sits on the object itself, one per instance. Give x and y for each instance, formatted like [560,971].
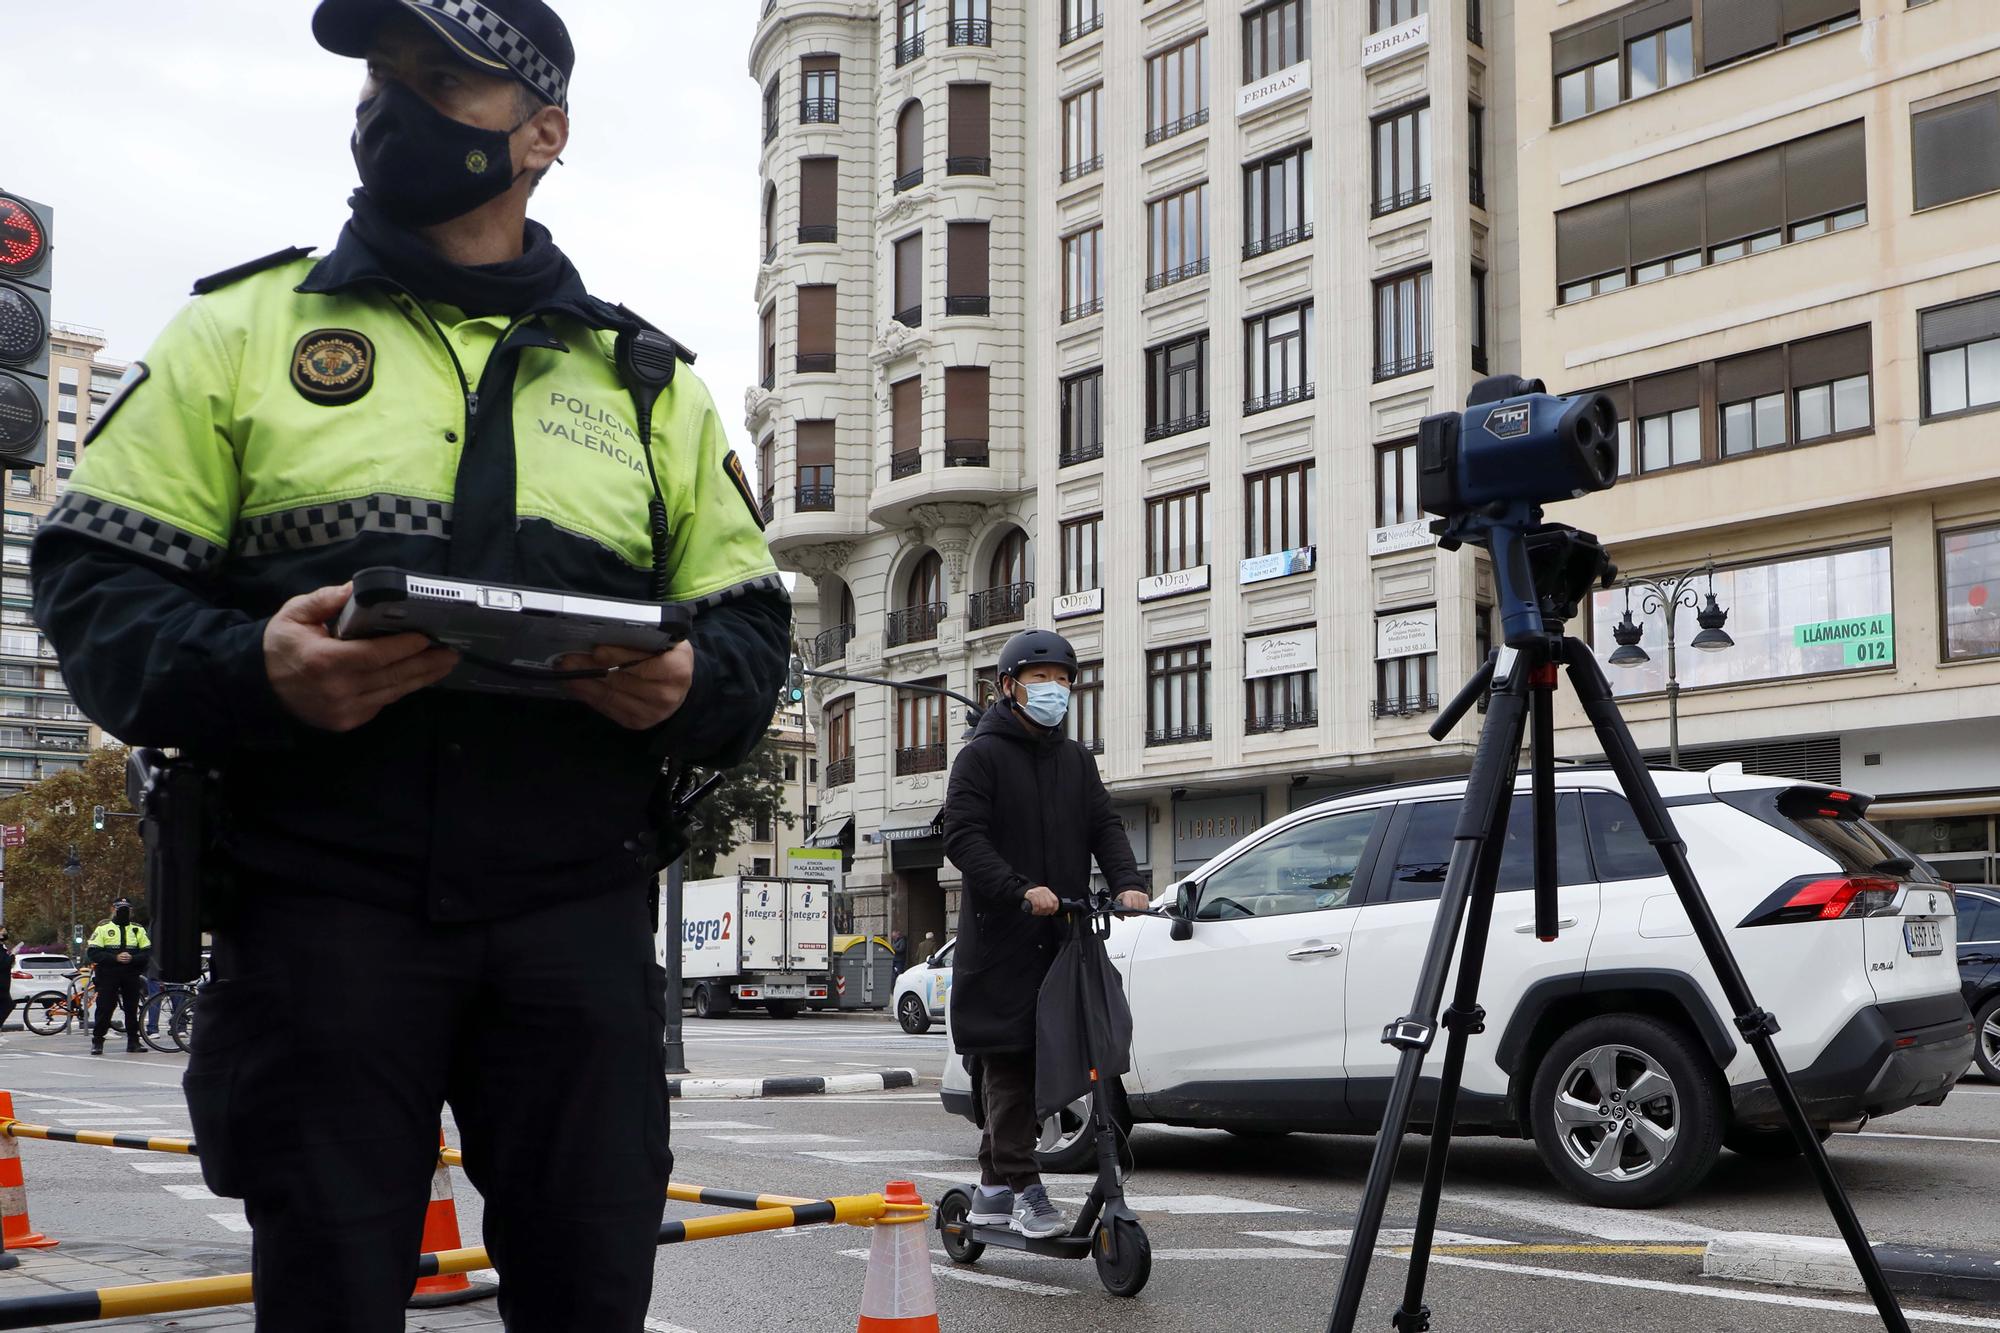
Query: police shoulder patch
[215,282]
[734,467]
[333,366]
[135,374]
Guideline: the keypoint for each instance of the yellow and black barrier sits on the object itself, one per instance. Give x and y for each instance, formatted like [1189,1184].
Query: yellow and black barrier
[96,1138]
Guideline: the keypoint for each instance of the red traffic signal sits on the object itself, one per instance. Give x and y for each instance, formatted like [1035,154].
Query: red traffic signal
[24,242]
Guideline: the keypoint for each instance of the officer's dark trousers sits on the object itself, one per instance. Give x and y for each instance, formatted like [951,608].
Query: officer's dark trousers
[1007,1145]
[329,1043]
[117,987]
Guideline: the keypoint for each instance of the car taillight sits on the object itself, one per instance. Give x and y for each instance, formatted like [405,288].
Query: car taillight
[1825,898]
[23,976]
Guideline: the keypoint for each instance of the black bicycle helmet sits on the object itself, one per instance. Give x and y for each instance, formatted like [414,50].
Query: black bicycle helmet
[1032,646]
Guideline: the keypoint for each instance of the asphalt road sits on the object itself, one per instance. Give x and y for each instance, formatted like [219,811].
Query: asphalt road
[1246,1234]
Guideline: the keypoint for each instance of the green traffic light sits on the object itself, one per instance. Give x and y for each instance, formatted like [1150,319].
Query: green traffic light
[97,818]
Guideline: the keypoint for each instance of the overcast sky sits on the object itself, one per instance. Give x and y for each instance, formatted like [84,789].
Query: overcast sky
[177,139]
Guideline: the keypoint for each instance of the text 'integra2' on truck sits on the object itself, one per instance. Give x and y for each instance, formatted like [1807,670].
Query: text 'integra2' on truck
[754,940]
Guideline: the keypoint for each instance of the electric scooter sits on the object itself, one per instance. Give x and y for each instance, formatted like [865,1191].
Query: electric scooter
[1106,1228]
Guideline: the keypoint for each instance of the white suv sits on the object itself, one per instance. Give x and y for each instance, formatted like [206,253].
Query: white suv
[1261,1008]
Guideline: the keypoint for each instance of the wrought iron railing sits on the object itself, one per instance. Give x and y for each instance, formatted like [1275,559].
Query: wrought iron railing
[968,166]
[968,305]
[1078,170]
[1194,268]
[1478,189]
[818,363]
[839,773]
[914,624]
[1277,240]
[1286,719]
[998,606]
[920,759]
[1083,310]
[818,233]
[1083,28]
[812,499]
[1177,426]
[1178,735]
[971,32]
[967,453]
[1162,133]
[1386,204]
[770,377]
[1402,365]
[1406,705]
[1298,393]
[1080,453]
[768,507]
[819,111]
[830,645]
[913,316]
[905,463]
[910,180]
[909,49]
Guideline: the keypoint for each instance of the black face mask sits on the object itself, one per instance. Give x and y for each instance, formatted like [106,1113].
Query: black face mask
[122,915]
[420,166]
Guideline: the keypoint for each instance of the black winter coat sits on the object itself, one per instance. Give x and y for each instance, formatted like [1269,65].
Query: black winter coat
[1022,810]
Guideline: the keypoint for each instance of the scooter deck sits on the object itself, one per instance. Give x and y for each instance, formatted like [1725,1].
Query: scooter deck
[1006,1238]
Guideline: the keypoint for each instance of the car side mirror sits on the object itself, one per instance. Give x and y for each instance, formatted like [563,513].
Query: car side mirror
[1187,896]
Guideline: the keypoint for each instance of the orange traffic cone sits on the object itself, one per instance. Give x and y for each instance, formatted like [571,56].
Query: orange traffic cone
[20,1234]
[441,1233]
[897,1295]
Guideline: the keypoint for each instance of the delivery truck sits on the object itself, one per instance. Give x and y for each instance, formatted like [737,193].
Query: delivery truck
[754,940]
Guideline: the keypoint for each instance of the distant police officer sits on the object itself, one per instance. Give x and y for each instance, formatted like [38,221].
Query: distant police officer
[440,394]
[118,953]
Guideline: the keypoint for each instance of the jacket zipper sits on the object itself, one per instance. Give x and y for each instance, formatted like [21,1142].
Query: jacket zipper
[465,386]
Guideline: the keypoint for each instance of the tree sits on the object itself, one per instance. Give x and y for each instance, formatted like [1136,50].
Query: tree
[753,789]
[57,814]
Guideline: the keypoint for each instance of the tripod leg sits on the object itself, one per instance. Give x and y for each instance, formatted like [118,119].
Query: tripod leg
[1756,1025]
[1482,820]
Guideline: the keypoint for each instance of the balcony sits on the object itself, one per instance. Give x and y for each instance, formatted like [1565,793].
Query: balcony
[817,363]
[968,166]
[771,253]
[770,376]
[1477,189]
[819,111]
[909,49]
[1004,605]
[1386,204]
[1178,735]
[1290,719]
[1162,133]
[1406,705]
[913,624]
[1083,310]
[967,453]
[1078,170]
[812,500]
[769,508]
[909,180]
[818,233]
[1298,393]
[830,645]
[1089,451]
[971,32]
[770,130]
[1194,268]
[1083,28]
[1402,365]
[920,759]
[905,463]
[1177,426]
[912,317]
[968,305]
[1264,245]
[839,772]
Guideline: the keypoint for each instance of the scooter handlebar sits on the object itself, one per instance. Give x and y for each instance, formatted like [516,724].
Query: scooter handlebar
[1107,907]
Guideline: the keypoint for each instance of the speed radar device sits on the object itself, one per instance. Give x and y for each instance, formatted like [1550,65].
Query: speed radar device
[26,235]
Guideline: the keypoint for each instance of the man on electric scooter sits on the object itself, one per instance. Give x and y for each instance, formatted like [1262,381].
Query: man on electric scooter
[1023,817]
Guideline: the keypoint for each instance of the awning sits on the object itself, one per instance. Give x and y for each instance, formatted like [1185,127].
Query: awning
[829,832]
[918,822]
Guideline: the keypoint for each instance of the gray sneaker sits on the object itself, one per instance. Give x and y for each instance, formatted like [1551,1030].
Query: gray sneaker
[991,1207]
[1037,1218]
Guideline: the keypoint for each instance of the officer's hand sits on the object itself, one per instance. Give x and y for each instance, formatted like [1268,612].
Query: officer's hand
[1134,901]
[1042,902]
[338,685]
[124,957]
[645,690]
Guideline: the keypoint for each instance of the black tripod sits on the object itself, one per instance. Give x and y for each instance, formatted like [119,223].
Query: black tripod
[1566,564]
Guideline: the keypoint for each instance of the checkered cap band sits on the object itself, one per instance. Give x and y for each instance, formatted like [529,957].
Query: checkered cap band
[505,42]
[135,531]
[343,520]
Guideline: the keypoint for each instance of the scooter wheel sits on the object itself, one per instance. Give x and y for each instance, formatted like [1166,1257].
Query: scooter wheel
[959,1245]
[1124,1258]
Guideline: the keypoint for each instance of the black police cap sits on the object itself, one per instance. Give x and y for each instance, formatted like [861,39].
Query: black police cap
[524,39]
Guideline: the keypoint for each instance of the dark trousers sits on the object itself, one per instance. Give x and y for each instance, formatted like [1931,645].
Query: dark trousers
[321,1111]
[1007,1144]
[117,987]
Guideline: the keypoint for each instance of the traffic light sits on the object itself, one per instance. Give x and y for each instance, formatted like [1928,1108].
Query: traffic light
[25,238]
[97,818]
[795,681]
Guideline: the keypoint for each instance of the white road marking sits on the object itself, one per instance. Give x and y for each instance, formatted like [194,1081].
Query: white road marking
[720,1124]
[1339,1237]
[753,1139]
[172,1166]
[1604,1223]
[969,1179]
[1924,1138]
[232,1221]
[1197,1204]
[958,1274]
[196,1192]
[1227,1255]
[662,1326]
[1709,1293]
[74,1121]
[878,1157]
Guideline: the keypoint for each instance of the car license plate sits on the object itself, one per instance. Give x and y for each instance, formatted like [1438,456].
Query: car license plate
[1923,938]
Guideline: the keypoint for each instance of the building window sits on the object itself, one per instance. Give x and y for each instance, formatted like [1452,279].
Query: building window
[1177,230]
[1277,509]
[968,135]
[1177,89]
[1476,155]
[771,110]
[1970,561]
[760,831]
[1278,357]
[1402,159]
[1957,150]
[1406,686]
[770,223]
[906,427]
[815,450]
[1961,357]
[1081,18]
[968,428]
[1281,703]
[1082,418]
[920,730]
[1082,562]
[839,728]
[819,319]
[1176,531]
[1669,421]
[1276,36]
[1742,28]
[768,322]
[1793,192]
[910,146]
[819,96]
[1659,59]
[965,276]
[1177,386]
[1403,342]
[1177,695]
[1396,485]
[1083,152]
[923,603]
[1592,87]
[1086,707]
[909,252]
[1083,290]
[971,23]
[1479,320]
[1389,13]
[819,200]
[1004,599]
[909,31]
[1277,201]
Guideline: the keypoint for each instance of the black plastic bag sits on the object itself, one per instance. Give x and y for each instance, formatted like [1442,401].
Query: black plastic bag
[1081,1022]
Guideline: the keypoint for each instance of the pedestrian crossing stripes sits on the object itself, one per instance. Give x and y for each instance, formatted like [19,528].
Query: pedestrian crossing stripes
[775,1139]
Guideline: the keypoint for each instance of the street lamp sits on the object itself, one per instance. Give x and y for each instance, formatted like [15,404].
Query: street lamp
[1670,593]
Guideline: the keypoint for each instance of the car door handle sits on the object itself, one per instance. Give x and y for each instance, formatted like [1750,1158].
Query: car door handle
[1528,927]
[1315,951]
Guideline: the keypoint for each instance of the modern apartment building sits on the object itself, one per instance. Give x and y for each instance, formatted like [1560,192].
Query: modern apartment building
[762,843]
[42,732]
[1771,229]
[891,421]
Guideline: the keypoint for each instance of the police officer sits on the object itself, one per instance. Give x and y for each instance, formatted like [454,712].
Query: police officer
[440,393]
[118,952]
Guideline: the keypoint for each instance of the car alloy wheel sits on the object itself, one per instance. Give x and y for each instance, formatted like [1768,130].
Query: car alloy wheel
[1062,1131]
[1618,1112]
[1989,1039]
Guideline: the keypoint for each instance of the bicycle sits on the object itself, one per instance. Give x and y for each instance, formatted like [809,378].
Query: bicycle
[178,1030]
[51,1012]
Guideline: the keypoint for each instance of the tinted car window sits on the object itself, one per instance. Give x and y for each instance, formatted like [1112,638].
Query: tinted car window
[1307,868]
[1426,848]
[1978,919]
[1620,848]
[1858,846]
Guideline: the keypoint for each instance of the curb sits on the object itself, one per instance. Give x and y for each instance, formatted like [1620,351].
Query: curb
[788,1085]
[1824,1264]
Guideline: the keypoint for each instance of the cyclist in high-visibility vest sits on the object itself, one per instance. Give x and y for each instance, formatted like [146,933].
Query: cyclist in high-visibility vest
[120,951]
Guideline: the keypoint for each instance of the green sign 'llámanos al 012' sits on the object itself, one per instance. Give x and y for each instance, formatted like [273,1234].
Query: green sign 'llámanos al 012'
[1863,641]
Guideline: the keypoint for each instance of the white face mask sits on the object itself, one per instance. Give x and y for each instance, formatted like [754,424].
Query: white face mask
[1046,702]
